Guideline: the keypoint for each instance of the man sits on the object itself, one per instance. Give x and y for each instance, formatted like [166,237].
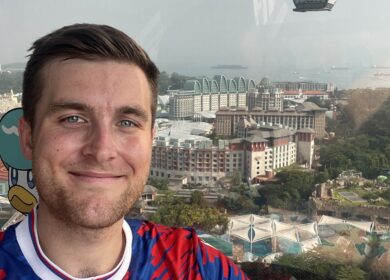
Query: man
[89,103]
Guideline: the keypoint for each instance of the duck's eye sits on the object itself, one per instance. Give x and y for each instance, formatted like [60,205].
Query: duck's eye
[30,179]
[14,176]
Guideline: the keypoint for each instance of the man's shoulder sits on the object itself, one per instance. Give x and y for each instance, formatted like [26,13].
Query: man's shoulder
[192,256]
[149,230]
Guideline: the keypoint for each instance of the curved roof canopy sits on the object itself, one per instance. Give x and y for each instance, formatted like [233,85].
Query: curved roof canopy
[205,85]
[265,82]
[222,83]
[251,84]
[214,87]
[232,86]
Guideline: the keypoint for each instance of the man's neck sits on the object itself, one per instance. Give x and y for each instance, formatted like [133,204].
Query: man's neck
[81,252]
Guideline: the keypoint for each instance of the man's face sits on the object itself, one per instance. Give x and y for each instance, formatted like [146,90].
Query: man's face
[92,140]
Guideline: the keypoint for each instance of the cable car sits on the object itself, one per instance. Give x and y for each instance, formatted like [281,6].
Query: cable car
[313,5]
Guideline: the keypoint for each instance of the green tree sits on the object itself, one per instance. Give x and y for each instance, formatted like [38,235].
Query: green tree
[236,178]
[161,184]
[11,81]
[322,176]
[239,205]
[350,273]
[363,135]
[197,198]
[311,262]
[209,219]
[163,82]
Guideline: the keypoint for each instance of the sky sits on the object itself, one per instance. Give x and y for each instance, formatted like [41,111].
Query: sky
[190,36]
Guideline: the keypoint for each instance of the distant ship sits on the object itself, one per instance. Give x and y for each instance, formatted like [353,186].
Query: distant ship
[339,68]
[380,67]
[381,74]
[231,66]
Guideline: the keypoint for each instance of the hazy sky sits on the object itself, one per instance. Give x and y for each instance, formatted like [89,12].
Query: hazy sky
[189,36]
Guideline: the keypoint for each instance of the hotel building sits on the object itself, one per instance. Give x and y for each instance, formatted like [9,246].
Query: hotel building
[305,115]
[205,95]
[261,151]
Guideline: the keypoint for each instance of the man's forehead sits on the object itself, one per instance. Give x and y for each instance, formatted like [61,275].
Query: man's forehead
[60,86]
[82,73]
[65,63]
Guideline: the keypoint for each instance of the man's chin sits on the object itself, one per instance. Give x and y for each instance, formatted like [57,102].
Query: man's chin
[94,213]
[95,219]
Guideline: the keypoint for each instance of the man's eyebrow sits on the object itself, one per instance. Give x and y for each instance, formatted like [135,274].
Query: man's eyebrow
[136,111]
[55,107]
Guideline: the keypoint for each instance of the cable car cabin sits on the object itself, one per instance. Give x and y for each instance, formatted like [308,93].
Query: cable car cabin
[313,5]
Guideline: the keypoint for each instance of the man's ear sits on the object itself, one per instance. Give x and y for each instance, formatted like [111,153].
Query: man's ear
[25,138]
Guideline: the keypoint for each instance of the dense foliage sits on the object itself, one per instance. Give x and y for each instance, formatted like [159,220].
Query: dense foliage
[363,145]
[161,184]
[173,81]
[241,204]
[197,214]
[11,80]
[321,268]
[291,191]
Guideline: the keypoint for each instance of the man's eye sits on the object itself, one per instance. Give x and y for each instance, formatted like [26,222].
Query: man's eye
[73,119]
[126,123]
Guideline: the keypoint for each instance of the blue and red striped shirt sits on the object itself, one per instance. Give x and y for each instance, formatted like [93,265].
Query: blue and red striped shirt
[151,252]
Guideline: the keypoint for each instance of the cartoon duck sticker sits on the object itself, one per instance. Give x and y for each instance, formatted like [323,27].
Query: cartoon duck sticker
[22,193]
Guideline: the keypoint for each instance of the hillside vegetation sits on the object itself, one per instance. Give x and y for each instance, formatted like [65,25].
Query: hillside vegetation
[362,139]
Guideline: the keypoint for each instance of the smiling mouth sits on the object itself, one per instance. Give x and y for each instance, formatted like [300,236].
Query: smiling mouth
[95,175]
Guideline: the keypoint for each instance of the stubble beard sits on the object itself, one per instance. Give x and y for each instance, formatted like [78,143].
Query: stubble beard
[87,212]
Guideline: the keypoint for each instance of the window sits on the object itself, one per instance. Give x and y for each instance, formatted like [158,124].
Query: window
[338,60]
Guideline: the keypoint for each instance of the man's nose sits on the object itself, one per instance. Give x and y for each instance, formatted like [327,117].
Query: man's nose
[101,143]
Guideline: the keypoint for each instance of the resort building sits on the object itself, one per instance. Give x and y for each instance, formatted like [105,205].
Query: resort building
[205,95]
[202,162]
[305,115]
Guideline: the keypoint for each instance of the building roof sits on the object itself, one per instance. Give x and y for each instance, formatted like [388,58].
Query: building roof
[265,82]
[309,106]
[306,130]
[292,92]
[235,141]
[149,189]
[257,109]
[255,139]
[274,132]
[206,114]
[252,121]
[184,129]
[163,99]
[243,123]
[314,92]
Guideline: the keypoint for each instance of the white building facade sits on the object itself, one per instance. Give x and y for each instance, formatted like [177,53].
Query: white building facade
[204,163]
[205,95]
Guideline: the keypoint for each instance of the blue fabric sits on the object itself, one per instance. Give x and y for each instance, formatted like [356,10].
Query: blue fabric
[158,252]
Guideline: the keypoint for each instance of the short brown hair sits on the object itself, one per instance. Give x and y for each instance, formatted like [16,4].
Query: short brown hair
[82,41]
